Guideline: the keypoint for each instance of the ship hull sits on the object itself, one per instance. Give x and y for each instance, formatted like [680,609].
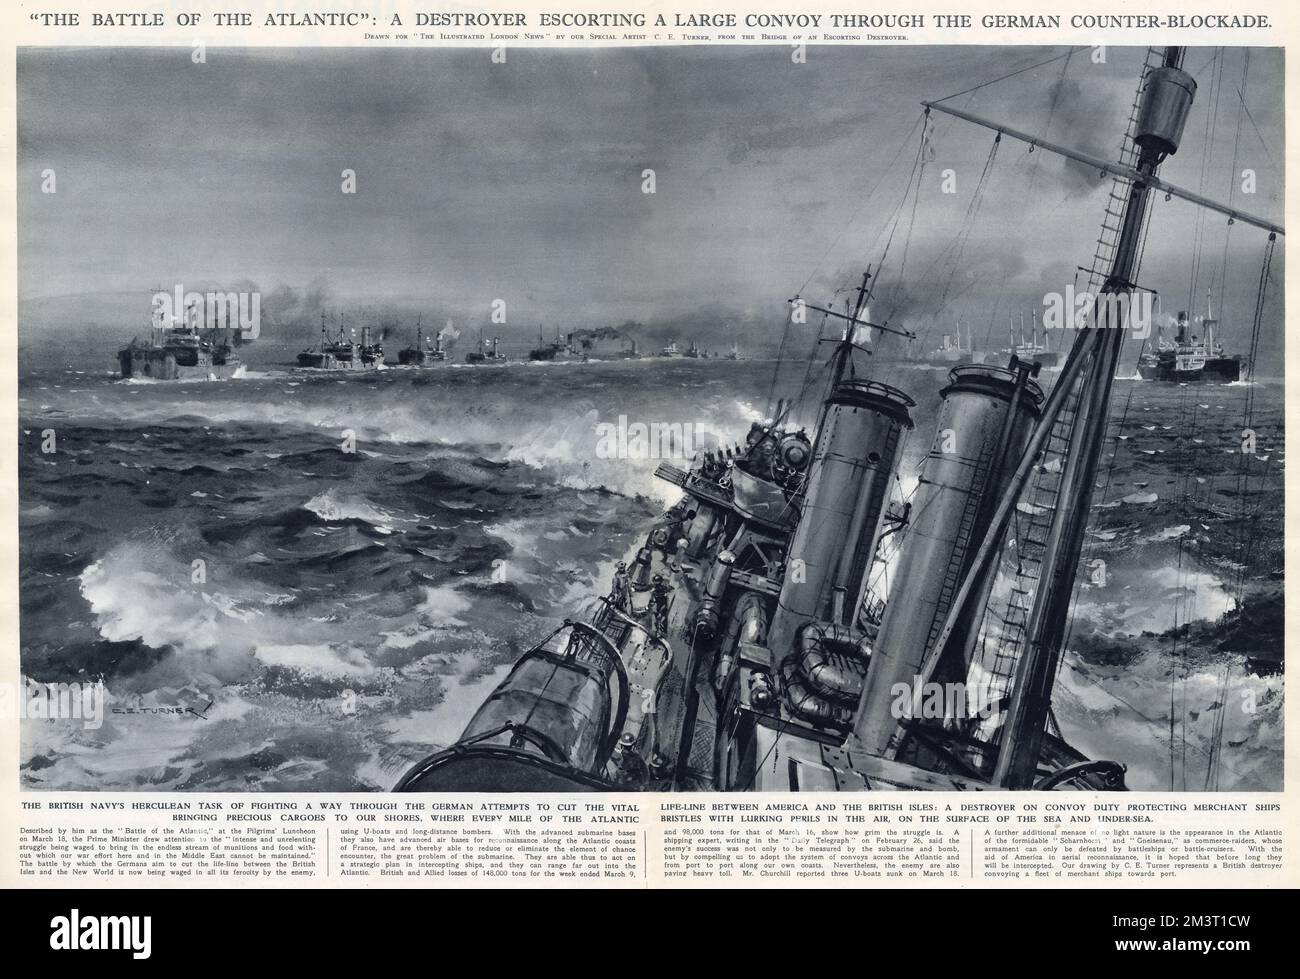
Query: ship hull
[558,356]
[1216,370]
[953,360]
[162,366]
[315,360]
[419,358]
[326,362]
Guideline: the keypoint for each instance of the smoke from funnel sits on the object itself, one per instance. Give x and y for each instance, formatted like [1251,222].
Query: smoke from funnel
[448,334]
[588,338]
[1078,115]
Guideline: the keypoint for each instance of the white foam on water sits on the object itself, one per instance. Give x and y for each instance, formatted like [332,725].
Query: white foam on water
[333,506]
[319,659]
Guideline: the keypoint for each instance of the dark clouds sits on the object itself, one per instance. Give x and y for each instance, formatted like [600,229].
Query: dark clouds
[523,181]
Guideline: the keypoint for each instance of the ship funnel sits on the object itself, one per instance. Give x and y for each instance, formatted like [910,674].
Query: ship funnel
[977,444]
[853,464]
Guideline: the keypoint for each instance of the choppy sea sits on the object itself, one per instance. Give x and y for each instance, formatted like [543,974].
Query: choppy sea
[327,573]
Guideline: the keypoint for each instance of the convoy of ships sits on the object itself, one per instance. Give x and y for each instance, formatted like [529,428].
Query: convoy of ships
[791,623]
[187,351]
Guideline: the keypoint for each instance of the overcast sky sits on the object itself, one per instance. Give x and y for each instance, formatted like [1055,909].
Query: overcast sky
[523,181]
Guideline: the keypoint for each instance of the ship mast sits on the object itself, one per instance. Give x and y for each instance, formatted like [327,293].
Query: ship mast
[844,352]
[843,356]
[1075,411]
[1169,92]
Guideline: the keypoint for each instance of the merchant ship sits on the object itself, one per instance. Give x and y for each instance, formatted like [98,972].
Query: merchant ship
[561,348]
[487,352]
[185,350]
[342,352]
[1191,358]
[954,348]
[422,355]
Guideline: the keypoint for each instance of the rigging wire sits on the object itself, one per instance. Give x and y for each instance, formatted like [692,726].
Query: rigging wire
[776,368]
[1211,127]
[1155,724]
[911,224]
[889,169]
[1051,114]
[1002,78]
[958,241]
[1232,187]
[1185,599]
[1216,737]
[1268,155]
[1248,529]
[913,177]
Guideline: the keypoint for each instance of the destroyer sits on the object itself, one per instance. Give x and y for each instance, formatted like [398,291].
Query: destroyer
[751,644]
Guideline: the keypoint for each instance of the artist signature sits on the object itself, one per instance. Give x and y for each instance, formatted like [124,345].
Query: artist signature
[177,711]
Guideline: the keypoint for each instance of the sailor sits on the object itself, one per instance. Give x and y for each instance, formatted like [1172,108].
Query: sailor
[659,594]
[620,595]
[630,766]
